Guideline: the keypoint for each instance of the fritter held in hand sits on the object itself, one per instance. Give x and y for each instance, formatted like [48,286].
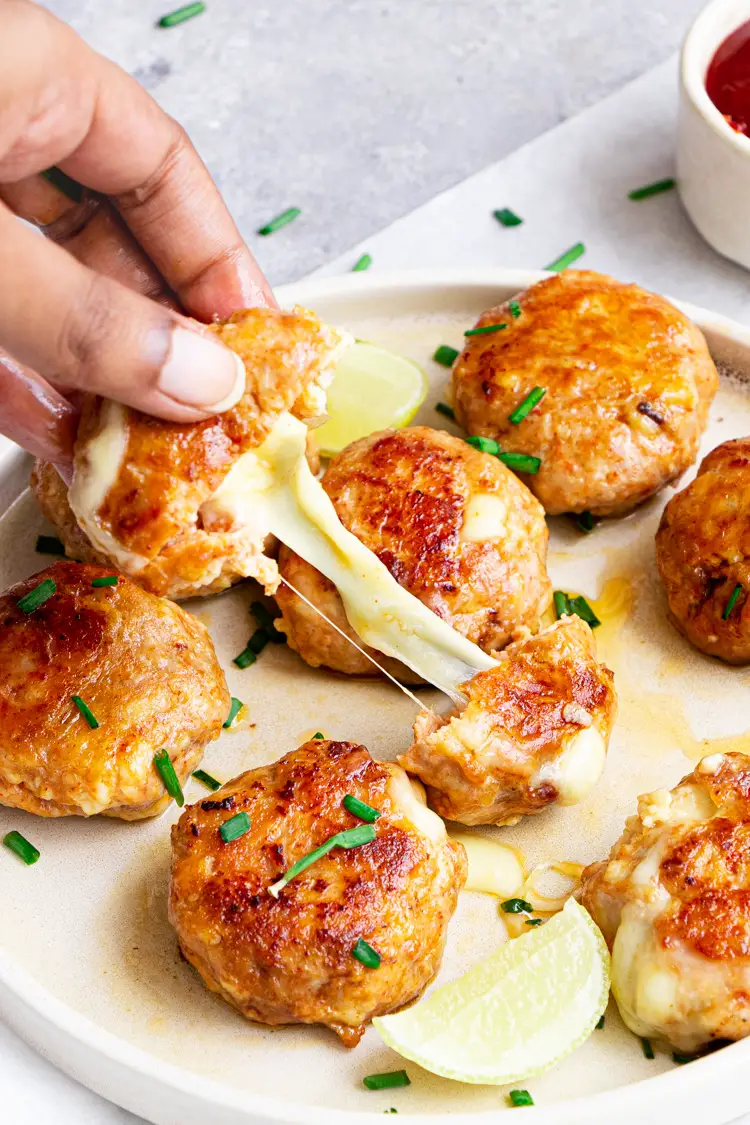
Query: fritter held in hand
[703,554]
[454,527]
[673,902]
[533,733]
[146,670]
[142,487]
[628,381]
[289,959]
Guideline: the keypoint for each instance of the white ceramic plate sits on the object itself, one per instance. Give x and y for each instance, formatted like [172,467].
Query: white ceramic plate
[89,971]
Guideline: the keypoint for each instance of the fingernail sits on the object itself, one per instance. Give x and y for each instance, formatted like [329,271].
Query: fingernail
[201,373]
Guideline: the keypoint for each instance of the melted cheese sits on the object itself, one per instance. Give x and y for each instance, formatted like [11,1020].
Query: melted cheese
[575,772]
[484,519]
[494,868]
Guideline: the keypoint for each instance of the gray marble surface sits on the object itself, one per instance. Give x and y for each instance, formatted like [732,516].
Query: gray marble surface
[358,111]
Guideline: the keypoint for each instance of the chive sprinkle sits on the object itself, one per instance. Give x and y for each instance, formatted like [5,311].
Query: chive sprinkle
[22,847]
[107,580]
[235,707]
[485,330]
[520,1097]
[350,838]
[280,221]
[245,658]
[516,906]
[318,734]
[362,263]
[483,444]
[681,1059]
[369,957]
[208,781]
[582,609]
[732,601]
[515,309]
[163,763]
[38,596]
[585,522]
[85,711]
[49,545]
[534,921]
[360,809]
[447,411]
[182,14]
[387,1081]
[567,258]
[235,827]
[507,218]
[648,1050]
[651,189]
[262,615]
[521,462]
[600,1024]
[255,646]
[562,604]
[533,398]
[445,356]
[64,183]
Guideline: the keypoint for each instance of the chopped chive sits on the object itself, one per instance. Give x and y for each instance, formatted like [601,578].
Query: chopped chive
[49,545]
[534,921]
[585,522]
[369,957]
[360,809]
[448,411]
[600,1024]
[235,827]
[38,596]
[533,398]
[182,14]
[562,604]
[445,356]
[245,658]
[163,763]
[362,263]
[235,707]
[208,781]
[262,615]
[681,1059]
[258,641]
[583,610]
[515,309]
[648,1050]
[651,189]
[64,183]
[350,838]
[485,330]
[108,580]
[280,221]
[483,444]
[567,258]
[387,1081]
[22,847]
[318,734]
[732,601]
[516,906]
[85,711]
[521,462]
[520,1097]
[507,218]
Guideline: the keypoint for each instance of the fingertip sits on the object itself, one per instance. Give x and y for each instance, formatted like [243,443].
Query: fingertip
[200,374]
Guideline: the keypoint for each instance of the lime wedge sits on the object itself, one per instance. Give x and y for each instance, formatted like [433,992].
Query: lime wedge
[372,389]
[514,1014]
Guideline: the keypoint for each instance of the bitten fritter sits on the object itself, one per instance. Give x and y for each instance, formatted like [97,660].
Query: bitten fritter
[146,670]
[452,525]
[534,732]
[142,487]
[289,959]
[673,902]
[628,381]
[703,554]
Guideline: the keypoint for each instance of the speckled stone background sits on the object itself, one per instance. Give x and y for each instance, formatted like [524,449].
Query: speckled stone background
[358,111]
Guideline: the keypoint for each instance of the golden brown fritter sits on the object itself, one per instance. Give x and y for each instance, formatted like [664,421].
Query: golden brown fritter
[289,959]
[533,733]
[673,902]
[454,527]
[141,484]
[703,554]
[145,668]
[629,381]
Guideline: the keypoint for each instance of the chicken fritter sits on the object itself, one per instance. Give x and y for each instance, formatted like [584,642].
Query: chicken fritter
[142,487]
[146,670]
[628,381]
[452,525]
[673,902]
[703,554]
[534,732]
[289,959]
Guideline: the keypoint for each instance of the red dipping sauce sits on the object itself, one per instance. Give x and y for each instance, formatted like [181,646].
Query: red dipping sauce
[728,79]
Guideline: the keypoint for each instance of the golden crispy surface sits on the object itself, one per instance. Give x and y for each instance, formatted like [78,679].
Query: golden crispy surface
[629,381]
[409,497]
[51,494]
[500,757]
[703,552]
[289,960]
[673,901]
[147,670]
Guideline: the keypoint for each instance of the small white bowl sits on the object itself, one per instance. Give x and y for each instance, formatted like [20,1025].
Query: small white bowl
[713,160]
